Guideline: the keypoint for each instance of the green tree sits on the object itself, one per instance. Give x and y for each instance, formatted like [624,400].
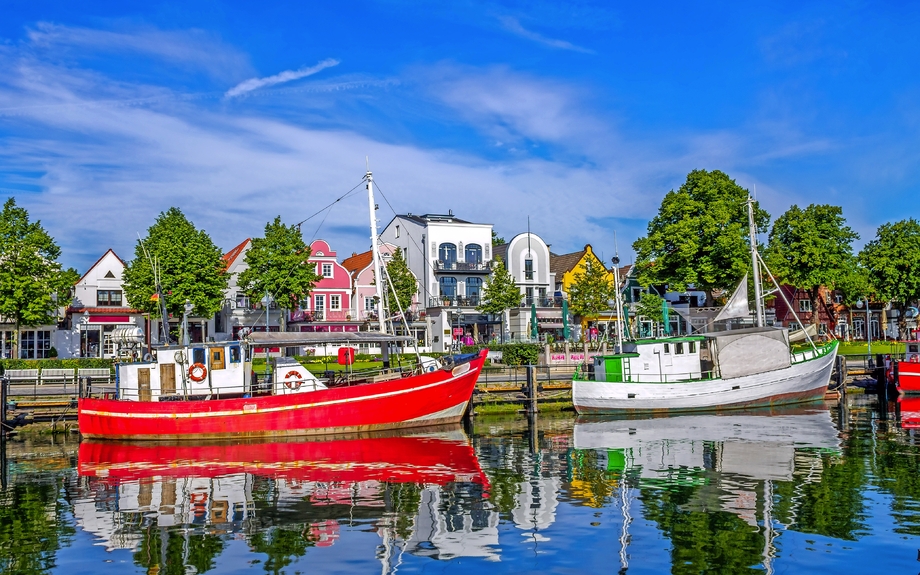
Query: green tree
[892,260]
[591,290]
[401,281]
[190,267]
[651,306]
[31,279]
[699,237]
[500,293]
[277,266]
[811,248]
[497,241]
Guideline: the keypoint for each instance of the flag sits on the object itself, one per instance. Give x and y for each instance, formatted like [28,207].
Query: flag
[155,297]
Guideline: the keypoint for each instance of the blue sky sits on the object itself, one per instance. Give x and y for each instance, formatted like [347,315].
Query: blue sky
[578,115]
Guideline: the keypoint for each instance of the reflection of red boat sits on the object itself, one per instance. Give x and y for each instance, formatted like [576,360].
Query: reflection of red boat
[909,406]
[425,458]
[909,369]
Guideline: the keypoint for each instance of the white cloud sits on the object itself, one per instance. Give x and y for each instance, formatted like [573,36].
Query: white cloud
[514,26]
[286,76]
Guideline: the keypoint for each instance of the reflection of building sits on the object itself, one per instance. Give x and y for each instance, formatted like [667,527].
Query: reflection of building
[444,530]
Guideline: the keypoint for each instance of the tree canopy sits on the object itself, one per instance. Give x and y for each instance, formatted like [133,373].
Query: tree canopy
[892,260]
[190,267]
[31,279]
[401,281]
[811,248]
[699,237]
[591,289]
[277,265]
[500,292]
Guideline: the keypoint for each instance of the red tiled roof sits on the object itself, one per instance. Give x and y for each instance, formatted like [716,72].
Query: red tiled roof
[358,262]
[231,256]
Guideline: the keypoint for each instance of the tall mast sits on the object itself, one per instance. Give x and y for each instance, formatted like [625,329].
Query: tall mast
[378,278]
[616,286]
[758,296]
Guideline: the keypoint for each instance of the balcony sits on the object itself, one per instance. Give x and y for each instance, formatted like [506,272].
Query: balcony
[328,315]
[466,267]
[454,301]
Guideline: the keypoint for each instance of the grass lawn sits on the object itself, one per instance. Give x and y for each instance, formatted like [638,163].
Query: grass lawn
[860,347]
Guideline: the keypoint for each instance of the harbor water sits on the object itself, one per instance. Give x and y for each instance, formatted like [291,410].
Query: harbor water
[827,488]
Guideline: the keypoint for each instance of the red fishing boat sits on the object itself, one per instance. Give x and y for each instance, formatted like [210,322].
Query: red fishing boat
[435,457]
[209,390]
[909,369]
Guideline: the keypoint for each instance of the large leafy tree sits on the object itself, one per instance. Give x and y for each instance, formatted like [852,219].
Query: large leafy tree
[189,267]
[699,237]
[892,260]
[277,266]
[500,293]
[591,289]
[400,280]
[810,248]
[31,279]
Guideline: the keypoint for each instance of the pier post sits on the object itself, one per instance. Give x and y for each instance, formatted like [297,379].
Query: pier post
[881,387]
[531,389]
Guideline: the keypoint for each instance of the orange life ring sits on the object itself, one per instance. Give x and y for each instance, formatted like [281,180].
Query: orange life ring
[294,383]
[198,498]
[197,368]
[915,358]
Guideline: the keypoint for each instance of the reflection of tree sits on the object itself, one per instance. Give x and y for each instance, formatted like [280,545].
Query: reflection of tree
[590,483]
[830,505]
[281,545]
[709,541]
[403,500]
[32,528]
[897,466]
[505,485]
[181,550]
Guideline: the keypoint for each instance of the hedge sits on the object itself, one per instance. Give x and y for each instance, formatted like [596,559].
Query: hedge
[73,363]
[512,353]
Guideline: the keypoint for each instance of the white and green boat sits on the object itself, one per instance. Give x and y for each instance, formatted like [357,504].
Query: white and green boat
[732,369]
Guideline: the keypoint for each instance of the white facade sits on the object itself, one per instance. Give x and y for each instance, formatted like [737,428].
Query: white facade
[451,258]
[526,257]
[99,315]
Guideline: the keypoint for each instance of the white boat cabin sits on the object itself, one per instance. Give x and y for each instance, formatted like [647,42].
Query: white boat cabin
[912,352]
[727,354]
[207,370]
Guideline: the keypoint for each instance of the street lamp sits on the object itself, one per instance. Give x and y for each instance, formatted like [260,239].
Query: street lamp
[188,311]
[84,336]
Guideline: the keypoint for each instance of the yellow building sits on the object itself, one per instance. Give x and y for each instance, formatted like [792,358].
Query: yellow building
[568,266]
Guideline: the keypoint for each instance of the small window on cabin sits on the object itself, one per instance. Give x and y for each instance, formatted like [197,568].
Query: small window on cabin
[198,355]
[667,348]
[912,348]
[235,354]
[692,345]
[679,348]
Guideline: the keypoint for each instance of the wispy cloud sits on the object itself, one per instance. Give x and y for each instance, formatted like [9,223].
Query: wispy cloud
[286,76]
[514,26]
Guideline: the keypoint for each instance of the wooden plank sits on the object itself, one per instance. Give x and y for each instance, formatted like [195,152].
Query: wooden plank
[143,384]
[167,379]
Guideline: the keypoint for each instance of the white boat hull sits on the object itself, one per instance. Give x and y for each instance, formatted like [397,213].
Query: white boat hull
[799,383]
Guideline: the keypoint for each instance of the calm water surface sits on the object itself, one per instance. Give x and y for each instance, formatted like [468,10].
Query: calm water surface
[824,489]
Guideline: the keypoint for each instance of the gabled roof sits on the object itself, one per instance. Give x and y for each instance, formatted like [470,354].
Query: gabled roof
[358,262]
[97,263]
[562,264]
[500,251]
[230,257]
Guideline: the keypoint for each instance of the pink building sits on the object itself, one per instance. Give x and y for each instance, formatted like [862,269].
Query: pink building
[364,290]
[328,306]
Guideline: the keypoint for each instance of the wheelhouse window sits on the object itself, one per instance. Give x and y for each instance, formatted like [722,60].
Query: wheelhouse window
[447,253]
[473,254]
[107,297]
[667,348]
[679,348]
[692,346]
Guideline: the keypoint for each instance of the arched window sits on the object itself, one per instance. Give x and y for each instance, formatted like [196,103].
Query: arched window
[447,253]
[448,287]
[473,254]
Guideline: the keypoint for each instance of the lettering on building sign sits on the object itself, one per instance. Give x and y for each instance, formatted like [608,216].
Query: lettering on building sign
[577,356]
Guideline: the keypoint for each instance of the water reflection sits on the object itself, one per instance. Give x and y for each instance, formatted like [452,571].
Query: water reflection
[283,497]
[689,470]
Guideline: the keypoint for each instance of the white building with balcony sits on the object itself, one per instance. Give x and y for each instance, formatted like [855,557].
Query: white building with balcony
[451,257]
[527,257]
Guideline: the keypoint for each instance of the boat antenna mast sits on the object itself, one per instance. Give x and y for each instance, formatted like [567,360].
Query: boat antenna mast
[615,260]
[378,278]
[759,320]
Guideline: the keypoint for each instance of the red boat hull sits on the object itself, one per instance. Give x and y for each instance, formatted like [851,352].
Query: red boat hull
[430,458]
[909,377]
[431,398]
